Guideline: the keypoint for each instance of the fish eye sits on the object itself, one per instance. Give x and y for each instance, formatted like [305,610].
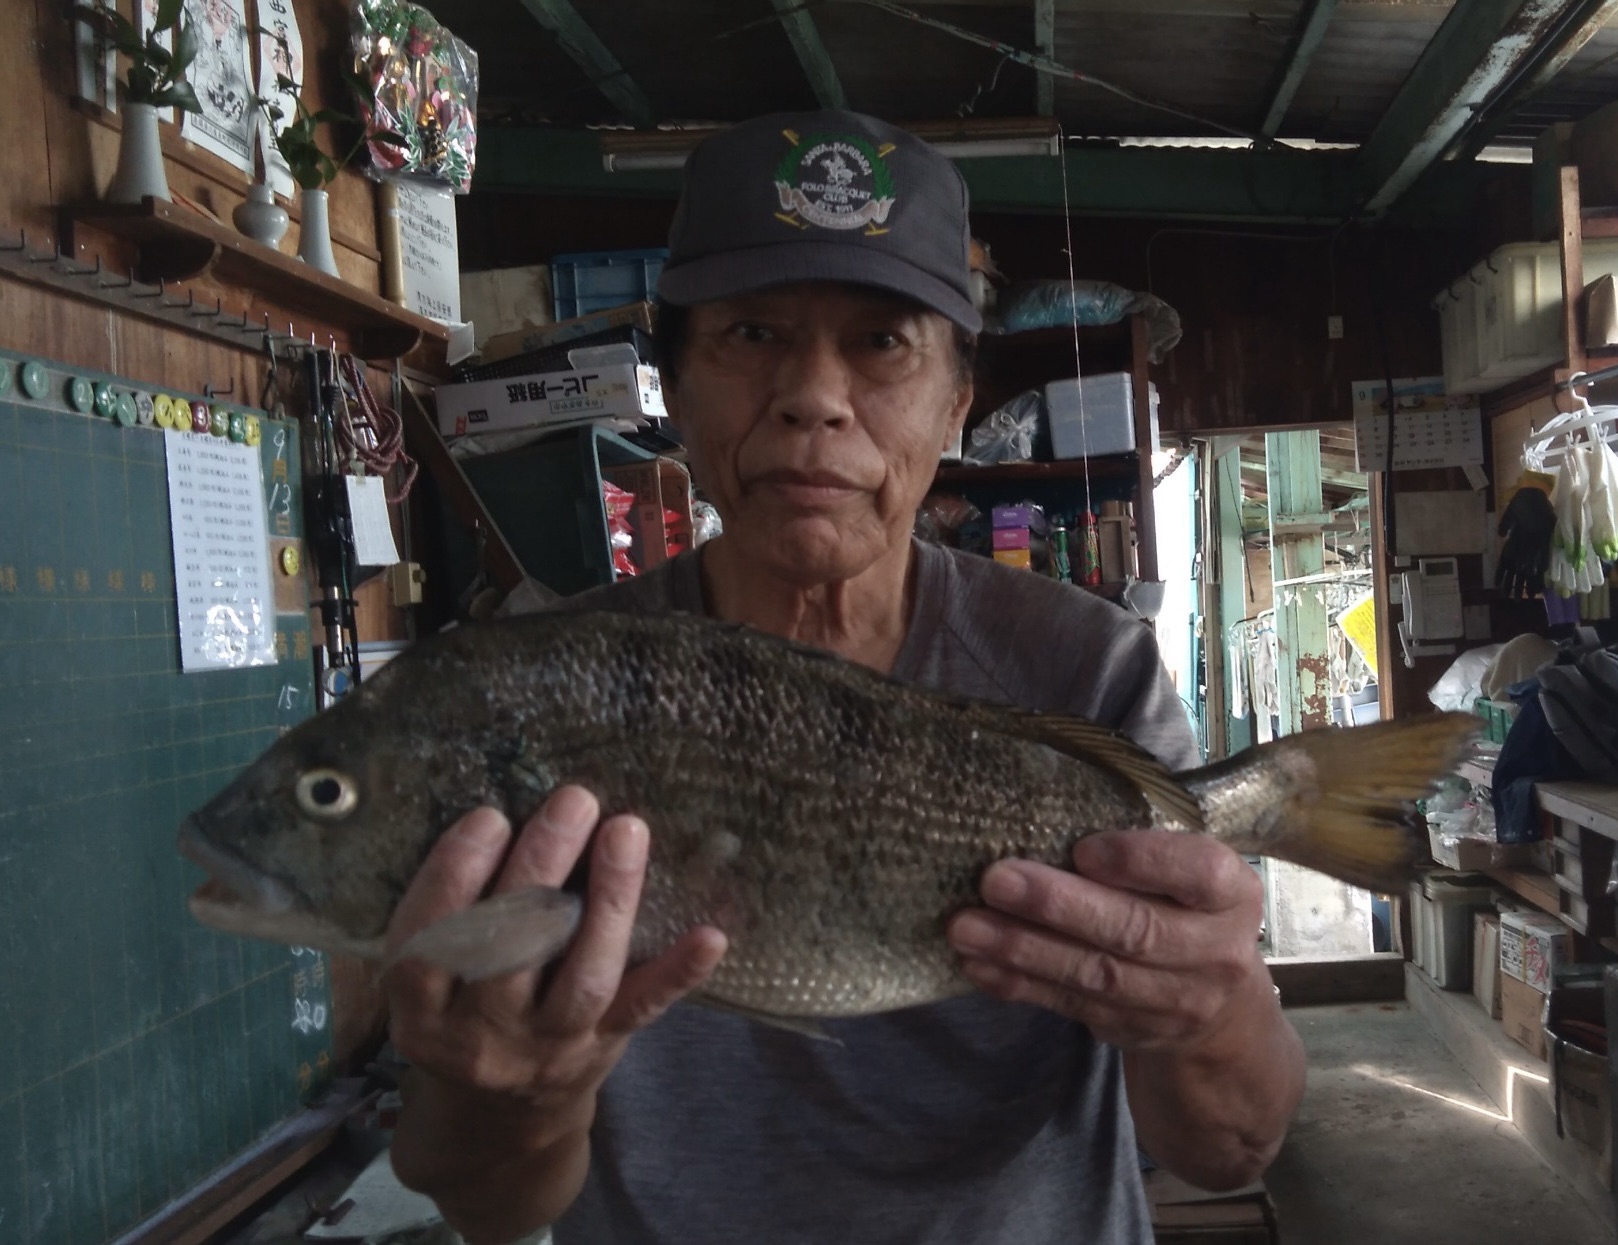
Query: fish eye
[327,794]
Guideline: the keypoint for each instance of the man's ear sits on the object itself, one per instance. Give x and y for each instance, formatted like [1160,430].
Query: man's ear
[958,414]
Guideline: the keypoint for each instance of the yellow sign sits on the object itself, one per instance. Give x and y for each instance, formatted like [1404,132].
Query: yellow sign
[1358,622]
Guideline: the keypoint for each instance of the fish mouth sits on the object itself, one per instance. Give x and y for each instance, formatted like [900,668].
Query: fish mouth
[232,882]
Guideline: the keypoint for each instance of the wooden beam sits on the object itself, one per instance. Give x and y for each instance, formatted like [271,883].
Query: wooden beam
[1482,49]
[1301,48]
[1045,45]
[1567,43]
[562,21]
[804,36]
[1375,978]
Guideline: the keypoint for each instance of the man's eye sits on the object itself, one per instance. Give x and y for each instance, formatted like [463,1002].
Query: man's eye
[746,331]
[883,340]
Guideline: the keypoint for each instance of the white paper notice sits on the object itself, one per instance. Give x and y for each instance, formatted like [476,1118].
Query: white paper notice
[221,553]
[222,77]
[277,24]
[428,255]
[368,512]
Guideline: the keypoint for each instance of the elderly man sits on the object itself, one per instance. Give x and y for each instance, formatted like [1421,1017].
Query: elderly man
[817,340]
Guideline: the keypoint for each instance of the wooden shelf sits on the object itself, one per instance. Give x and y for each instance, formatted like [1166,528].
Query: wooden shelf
[1113,467]
[1537,888]
[176,244]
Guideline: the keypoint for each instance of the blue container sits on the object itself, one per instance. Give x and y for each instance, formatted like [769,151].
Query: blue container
[587,281]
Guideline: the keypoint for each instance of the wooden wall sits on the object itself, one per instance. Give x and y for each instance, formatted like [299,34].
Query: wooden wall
[60,152]
[1253,303]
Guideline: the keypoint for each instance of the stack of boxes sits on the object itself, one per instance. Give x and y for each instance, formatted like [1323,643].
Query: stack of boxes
[1531,945]
[1013,535]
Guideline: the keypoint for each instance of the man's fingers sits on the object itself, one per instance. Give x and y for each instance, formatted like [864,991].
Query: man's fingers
[552,840]
[1192,870]
[457,870]
[650,990]
[588,979]
[989,939]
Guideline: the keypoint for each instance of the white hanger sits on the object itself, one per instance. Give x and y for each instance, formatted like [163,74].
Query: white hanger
[1552,441]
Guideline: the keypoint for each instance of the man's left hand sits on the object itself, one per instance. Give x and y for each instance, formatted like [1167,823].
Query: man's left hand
[1152,943]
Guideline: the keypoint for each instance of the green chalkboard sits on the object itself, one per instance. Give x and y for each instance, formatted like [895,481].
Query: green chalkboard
[138,1050]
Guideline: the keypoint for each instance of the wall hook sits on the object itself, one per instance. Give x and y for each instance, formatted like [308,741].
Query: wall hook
[209,392]
[218,309]
[157,293]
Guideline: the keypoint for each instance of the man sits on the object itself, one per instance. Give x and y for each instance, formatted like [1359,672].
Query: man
[816,340]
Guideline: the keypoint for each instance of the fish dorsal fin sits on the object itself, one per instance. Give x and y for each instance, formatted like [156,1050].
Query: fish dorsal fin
[1107,748]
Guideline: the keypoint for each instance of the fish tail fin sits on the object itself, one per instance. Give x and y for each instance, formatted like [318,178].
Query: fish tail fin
[513,930]
[1348,816]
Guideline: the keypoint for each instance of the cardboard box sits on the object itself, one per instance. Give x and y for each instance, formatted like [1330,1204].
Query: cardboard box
[1522,1015]
[536,337]
[515,402]
[1011,538]
[1467,852]
[1021,558]
[1486,962]
[1531,945]
[659,487]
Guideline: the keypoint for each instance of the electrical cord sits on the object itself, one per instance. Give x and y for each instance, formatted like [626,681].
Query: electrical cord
[376,437]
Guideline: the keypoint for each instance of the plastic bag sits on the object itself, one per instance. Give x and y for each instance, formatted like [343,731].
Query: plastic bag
[1462,683]
[1007,435]
[705,524]
[423,87]
[1057,304]
[941,517]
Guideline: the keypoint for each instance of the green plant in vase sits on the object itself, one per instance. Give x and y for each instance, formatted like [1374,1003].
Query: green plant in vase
[155,79]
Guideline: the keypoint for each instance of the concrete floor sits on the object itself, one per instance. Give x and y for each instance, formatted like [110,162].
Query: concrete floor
[1396,1144]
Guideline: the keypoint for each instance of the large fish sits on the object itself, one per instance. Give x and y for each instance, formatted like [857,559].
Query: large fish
[829,820]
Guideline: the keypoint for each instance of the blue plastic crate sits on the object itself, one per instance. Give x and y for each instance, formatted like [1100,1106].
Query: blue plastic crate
[587,281]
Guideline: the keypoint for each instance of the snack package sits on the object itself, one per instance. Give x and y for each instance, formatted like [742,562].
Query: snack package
[619,503]
[419,83]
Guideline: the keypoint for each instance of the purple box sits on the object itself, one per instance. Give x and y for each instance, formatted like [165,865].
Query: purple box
[1011,538]
[1014,516]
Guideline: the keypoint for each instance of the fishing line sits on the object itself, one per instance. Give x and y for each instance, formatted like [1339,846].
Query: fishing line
[1073,311]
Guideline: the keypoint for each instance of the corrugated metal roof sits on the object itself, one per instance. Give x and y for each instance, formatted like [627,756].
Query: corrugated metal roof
[721,60]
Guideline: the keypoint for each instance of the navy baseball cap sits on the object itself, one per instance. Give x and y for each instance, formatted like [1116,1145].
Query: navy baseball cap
[821,196]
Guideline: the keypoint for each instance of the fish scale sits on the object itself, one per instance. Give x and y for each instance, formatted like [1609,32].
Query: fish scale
[828,819]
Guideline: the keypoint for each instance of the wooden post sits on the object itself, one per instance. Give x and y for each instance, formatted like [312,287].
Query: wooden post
[1296,504]
[1145,515]
[1572,268]
[1227,482]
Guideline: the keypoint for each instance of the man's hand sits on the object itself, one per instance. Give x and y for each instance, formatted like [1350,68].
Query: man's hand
[1153,945]
[1147,944]
[505,1072]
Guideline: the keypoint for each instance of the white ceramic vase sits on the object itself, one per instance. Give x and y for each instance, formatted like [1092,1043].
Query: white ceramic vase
[260,217]
[314,234]
[140,158]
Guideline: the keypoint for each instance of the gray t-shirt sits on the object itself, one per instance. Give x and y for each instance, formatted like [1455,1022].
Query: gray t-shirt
[968,1122]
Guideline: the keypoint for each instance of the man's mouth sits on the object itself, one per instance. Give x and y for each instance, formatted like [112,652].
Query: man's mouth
[808,489]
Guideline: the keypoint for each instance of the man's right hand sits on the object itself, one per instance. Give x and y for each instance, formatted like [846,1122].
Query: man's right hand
[504,1074]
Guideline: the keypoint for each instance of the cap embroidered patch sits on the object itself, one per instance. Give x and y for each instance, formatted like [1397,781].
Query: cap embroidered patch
[835,183]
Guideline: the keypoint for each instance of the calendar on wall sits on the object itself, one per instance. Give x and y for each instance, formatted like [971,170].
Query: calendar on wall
[1431,428]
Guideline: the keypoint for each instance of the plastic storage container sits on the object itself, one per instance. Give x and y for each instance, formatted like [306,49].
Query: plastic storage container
[1102,422]
[587,281]
[1447,903]
[1502,320]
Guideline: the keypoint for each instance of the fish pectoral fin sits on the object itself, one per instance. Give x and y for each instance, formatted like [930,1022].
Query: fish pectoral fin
[1101,746]
[502,934]
[803,1026]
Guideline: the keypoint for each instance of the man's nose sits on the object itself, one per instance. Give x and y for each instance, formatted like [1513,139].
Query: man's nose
[814,386]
